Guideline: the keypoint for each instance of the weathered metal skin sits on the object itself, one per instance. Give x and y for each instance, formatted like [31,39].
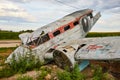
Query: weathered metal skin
[64,56]
[105,48]
[45,42]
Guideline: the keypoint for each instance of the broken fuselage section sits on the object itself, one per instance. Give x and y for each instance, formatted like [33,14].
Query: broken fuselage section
[42,42]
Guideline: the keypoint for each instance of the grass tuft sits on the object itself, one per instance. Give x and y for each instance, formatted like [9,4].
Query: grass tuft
[75,74]
[24,78]
[24,64]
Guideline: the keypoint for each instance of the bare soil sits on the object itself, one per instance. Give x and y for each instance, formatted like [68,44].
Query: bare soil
[9,43]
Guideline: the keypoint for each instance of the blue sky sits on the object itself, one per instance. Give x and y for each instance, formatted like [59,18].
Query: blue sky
[19,15]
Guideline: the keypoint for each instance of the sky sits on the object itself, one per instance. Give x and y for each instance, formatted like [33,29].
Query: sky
[17,15]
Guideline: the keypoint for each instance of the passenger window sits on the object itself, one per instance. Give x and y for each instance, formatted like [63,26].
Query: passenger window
[66,28]
[56,33]
[76,23]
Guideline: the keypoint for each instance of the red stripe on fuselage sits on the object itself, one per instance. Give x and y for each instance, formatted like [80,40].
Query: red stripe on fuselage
[70,24]
[61,28]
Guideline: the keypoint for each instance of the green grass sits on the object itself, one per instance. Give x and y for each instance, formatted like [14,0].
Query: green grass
[5,35]
[10,35]
[24,64]
[4,49]
[6,72]
[102,34]
[75,74]
[4,52]
[98,73]
[24,78]
[43,72]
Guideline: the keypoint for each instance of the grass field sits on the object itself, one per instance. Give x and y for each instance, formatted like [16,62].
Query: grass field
[22,67]
[9,35]
[4,50]
[103,34]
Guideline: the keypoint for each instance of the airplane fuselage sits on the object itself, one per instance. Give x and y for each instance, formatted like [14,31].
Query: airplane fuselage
[71,27]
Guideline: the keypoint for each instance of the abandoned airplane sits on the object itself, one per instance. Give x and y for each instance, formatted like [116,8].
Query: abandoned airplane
[64,42]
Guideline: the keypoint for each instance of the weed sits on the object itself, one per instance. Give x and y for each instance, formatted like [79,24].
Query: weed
[25,63]
[6,72]
[41,75]
[65,75]
[98,74]
[21,66]
[24,78]
[76,74]
[73,75]
[43,72]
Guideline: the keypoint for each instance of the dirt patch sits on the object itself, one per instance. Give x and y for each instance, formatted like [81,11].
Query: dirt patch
[9,43]
[34,73]
[29,73]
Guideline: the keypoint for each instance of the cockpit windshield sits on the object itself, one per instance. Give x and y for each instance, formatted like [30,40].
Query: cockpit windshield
[39,40]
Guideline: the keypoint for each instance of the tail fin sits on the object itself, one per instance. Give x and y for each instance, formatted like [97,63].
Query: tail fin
[96,17]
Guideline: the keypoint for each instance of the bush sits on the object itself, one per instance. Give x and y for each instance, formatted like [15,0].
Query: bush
[98,74]
[24,64]
[64,75]
[6,72]
[76,74]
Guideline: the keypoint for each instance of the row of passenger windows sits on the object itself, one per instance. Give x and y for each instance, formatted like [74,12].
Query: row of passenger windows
[65,28]
[46,37]
[56,33]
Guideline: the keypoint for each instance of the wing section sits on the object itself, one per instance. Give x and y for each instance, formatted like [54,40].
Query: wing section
[106,48]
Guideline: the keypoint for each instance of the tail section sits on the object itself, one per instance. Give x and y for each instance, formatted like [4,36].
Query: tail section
[96,17]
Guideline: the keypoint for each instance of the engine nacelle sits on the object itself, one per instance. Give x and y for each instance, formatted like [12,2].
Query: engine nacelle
[64,56]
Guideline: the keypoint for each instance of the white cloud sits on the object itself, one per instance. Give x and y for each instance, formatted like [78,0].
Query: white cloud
[47,11]
[9,10]
[111,21]
[20,0]
[108,23]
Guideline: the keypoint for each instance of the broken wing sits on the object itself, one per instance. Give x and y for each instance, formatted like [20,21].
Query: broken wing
[106,48]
